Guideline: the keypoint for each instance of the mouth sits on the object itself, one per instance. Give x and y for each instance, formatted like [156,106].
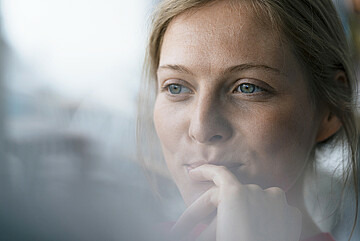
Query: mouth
[230,166]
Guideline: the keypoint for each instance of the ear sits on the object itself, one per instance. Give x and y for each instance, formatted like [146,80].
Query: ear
[330,123]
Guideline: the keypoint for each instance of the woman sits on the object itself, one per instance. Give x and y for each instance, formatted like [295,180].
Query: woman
[246,91]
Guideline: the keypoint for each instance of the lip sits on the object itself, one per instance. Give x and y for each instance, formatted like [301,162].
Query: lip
[194,165]
[231,166]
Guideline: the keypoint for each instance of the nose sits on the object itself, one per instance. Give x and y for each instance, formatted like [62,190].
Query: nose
[209,122]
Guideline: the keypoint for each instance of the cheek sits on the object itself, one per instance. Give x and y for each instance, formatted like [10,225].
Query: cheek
[281,141]
[170,126]
[170,123]
[286,132]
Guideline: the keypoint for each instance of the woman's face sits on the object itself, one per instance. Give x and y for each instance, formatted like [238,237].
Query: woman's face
[230,93]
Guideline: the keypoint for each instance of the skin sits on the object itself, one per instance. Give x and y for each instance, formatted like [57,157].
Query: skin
[228,150]
[356,4]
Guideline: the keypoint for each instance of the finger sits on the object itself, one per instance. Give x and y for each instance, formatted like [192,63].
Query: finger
[294,221]
[195,213]
[220,175]
[278,193]
[209,234]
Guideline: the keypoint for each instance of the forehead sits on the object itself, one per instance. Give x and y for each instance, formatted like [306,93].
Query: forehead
[226,16]
[222,33]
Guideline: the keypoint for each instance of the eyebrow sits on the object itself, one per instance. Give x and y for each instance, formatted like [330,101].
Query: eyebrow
[176,68]
[230,70]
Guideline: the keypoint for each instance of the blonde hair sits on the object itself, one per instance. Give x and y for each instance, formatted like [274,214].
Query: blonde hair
[315,33]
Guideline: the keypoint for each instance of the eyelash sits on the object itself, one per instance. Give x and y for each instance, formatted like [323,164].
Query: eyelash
[181,87]
[254,89]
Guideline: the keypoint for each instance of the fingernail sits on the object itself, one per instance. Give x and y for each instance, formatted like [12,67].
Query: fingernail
[193,172]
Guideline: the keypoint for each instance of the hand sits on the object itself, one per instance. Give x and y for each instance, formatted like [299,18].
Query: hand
[244,212]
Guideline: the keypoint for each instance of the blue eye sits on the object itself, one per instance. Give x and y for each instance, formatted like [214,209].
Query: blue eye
[248,88]
[176,89]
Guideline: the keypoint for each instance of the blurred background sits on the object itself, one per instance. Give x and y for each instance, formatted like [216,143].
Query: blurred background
[69,79]
[70,70]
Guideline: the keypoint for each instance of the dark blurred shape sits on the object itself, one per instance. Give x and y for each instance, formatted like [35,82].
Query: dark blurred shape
[356,4]
[2,99]
[56,190]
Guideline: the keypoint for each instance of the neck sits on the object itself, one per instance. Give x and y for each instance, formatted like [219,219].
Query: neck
[295,198]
